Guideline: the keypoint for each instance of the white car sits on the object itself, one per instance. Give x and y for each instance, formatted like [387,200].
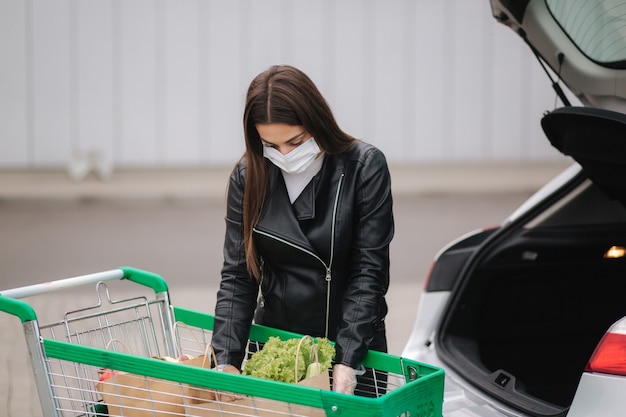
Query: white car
[528,319]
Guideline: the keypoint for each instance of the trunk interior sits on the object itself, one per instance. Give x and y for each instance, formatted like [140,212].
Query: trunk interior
[529,316]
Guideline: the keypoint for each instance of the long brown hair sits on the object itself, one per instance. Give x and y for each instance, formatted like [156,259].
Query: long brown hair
[281,94]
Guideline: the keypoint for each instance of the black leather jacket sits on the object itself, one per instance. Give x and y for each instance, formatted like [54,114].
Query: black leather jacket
[325,258]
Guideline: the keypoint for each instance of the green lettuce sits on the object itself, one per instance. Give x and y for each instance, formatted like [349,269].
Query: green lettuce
[277,359]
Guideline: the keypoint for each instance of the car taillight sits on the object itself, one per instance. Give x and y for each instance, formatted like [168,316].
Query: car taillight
[609,357]
[427,280]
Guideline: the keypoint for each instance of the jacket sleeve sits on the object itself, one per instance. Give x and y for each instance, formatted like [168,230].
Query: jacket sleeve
[364,307]
[236,297]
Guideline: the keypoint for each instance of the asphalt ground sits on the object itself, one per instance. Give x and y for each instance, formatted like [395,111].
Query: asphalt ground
[172,223]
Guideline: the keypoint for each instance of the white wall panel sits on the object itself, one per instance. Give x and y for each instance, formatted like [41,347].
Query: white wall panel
[352,65]
[311,42]
[181,83]
[92,71]
[487,61]
[162,82]
[509,95]
[388,78]
[432,93]
[135,105]
[51,69]
[204,95]
[407,103]
[15,87]
[465,84]
[226,55]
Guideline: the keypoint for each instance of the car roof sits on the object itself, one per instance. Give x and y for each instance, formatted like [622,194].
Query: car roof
[582,42]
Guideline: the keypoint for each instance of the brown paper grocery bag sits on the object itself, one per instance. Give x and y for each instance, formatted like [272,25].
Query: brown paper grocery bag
[200,394]
[321,381]
[132,395]
[251,406]
[139,396]
[207,360]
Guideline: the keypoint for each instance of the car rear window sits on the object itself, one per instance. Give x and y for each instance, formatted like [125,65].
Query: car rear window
[598,28]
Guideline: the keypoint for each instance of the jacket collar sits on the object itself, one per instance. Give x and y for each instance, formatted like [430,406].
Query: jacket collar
[304,206]
[280,217]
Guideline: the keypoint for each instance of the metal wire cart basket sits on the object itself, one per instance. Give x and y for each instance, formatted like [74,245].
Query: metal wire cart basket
[126,357]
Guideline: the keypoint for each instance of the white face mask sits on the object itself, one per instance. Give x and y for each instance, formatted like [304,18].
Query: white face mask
[296,161]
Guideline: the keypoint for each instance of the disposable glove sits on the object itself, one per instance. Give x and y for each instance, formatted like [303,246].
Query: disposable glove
[344,379]
[224,396]
[228,368]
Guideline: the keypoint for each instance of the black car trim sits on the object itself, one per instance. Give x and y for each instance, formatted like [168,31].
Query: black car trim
[517,8]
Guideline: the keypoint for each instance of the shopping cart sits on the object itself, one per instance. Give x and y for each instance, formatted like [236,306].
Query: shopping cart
[84,360]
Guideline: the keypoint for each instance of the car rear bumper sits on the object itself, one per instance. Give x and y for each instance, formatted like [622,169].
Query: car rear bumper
[599,395]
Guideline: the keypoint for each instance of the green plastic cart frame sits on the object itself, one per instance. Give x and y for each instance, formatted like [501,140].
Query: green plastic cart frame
[421,392]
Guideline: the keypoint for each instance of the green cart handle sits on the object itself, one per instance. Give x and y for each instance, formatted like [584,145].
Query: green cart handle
[17,308]
[145,278]
[10,299]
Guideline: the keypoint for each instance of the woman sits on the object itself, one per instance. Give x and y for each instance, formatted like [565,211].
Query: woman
[309,221]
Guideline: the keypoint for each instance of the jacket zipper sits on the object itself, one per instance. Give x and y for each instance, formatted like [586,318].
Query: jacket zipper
[332,252]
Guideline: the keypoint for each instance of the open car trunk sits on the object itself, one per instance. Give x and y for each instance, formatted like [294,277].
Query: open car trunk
[538,296]
[530,315]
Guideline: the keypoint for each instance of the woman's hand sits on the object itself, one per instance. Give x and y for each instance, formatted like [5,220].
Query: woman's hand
[344,379]
[228,368]
[227,397]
